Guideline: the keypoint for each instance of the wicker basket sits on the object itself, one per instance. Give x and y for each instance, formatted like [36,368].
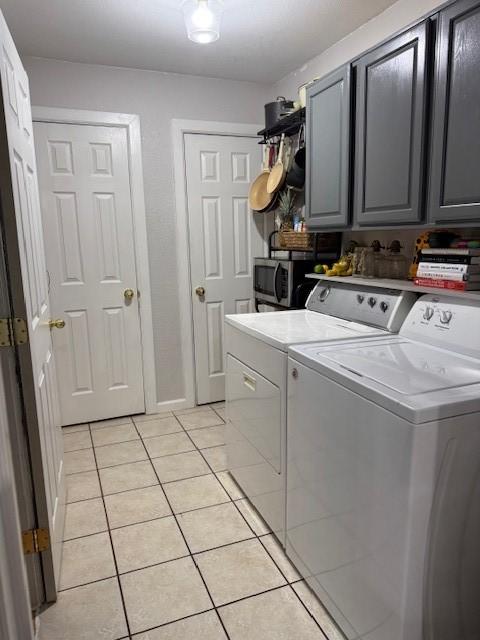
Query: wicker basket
[298,240]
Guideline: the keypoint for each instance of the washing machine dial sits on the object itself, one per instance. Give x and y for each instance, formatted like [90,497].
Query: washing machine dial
[372,301]
[384,306]
[428,313]
[445,316]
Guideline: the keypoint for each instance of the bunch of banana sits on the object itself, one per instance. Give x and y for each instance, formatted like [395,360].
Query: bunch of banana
[341,268]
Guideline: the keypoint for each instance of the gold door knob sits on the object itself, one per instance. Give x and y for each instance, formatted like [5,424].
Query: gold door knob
[56,324]
[129,294]
[200,291]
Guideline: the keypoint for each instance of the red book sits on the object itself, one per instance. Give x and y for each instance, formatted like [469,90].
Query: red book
[447,284]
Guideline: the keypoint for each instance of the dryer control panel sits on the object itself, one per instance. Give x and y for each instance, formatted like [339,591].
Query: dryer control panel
[383,308]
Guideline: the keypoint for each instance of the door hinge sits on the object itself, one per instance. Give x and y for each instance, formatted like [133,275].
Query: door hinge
[35,541]
[13,331]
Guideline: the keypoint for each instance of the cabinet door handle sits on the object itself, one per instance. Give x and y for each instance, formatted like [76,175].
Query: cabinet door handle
[249,382]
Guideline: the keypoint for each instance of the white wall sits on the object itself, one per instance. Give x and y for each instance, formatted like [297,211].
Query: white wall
[160,97]
[157,98]
[393,19]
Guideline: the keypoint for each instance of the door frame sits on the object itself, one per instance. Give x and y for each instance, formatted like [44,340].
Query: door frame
[15,615]
[131,124]
[180,128]
[17,495]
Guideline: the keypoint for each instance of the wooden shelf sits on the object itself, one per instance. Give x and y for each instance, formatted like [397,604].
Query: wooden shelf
[404,285]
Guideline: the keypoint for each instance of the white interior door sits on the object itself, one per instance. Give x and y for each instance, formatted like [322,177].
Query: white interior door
[25,256]
[224,237]
[87,213]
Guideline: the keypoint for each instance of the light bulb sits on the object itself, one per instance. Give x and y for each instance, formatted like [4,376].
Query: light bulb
[202,17]
[205,37]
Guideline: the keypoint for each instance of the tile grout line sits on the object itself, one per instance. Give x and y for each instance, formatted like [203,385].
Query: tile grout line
[180,513]
[221,606]
[233,501]
[306,608]
[165,624]
[256,536]
[185,540]
[111,544]
[288,584]
[210,467]
[190,553]
[155,564]
[115,493]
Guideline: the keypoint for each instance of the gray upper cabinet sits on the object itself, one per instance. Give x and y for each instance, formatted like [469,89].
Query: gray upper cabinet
[390,131]
[454,192]
[327,182]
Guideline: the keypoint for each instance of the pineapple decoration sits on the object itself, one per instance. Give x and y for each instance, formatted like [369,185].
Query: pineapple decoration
[285,209]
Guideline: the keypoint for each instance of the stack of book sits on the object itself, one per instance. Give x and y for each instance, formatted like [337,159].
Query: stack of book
[449,269]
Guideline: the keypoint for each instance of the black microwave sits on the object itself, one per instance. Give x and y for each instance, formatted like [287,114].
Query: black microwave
[279,281]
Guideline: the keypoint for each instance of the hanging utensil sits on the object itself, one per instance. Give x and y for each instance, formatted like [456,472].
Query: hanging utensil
[296,174]
[277,174]
[258,197]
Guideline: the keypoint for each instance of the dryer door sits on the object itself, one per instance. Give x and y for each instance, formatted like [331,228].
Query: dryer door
[254,439]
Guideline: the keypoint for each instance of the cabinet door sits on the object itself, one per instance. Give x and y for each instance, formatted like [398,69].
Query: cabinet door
[328,151]
[390,131]
[455,162]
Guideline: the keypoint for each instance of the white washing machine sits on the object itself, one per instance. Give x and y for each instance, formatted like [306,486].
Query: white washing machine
[383,476]
[256,380]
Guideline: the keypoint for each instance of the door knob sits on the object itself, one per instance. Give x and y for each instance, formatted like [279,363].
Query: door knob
[56,324]
[200,291]
[129,294]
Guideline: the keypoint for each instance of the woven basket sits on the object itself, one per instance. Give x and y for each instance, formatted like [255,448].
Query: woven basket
[302,240]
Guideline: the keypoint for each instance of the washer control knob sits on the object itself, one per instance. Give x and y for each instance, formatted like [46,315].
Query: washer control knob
[428,313]
[372,301]
[384,306]
[360,298]
[324,293]
[445,317]
[294,373]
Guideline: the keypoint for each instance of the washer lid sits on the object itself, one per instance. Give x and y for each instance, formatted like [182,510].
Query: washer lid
[418,382]
[283,328]
[407,367]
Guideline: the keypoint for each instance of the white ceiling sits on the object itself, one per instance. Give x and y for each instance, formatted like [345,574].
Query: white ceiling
[261,40]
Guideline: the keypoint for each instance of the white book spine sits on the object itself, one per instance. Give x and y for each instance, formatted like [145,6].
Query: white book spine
[442,275]
[443,267]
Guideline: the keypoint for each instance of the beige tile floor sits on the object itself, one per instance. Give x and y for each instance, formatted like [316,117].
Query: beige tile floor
[161,544]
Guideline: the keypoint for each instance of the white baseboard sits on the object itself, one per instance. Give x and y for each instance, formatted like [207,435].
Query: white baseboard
[36,627]
[173,405]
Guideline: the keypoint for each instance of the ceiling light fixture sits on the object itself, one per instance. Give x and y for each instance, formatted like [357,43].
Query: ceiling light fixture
[202,19]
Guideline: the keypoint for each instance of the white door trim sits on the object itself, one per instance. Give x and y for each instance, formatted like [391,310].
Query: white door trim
[131,123]
[179,129]
[15,615]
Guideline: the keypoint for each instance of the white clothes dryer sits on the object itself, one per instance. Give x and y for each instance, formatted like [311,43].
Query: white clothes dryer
[256,378]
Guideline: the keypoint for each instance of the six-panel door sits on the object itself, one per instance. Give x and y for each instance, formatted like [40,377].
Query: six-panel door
[87,217]
[225,236]
[328,146]
[390,131]
[454,194]
[25,251]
